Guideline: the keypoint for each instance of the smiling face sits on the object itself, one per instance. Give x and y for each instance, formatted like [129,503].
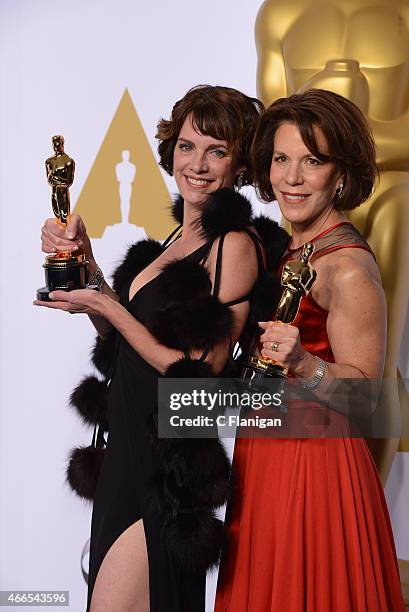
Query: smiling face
[304,185]
[201,164]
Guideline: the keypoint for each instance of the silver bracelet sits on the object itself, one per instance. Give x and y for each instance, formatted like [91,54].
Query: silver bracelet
[314,381]
[97,278]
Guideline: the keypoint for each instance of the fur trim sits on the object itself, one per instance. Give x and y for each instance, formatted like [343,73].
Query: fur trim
[265,296]
[264,300]
[225,211]
[195,540]
[199,324]
[83,470]
[177,209]
[200,473]
[194,480]
[189,368]
[102,355]
[275,239]
[183,280]
[90,400]
[138,256]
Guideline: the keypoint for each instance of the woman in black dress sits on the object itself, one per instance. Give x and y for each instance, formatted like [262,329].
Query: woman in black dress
[175,310]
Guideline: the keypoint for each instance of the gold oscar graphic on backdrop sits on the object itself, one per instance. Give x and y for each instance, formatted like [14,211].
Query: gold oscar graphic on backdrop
[125,185]
[359,49]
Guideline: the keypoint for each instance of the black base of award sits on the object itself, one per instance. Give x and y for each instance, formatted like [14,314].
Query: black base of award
[263,375]
[42,294]
[65,273]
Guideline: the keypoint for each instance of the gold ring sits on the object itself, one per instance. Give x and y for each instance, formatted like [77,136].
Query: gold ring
[274,346]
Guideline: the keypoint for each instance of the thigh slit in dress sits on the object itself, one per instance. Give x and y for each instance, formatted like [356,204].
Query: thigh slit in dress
[131,463]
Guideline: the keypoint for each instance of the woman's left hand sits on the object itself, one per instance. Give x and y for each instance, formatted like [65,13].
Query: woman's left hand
[86,301]
[289,351]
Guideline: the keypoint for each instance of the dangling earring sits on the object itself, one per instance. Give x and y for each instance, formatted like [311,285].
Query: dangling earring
[240,181]
[339,190]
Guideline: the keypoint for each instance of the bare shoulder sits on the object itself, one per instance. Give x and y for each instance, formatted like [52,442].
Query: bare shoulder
[352,274]
[239,265]
[238,241]
[346,264]
[237,247]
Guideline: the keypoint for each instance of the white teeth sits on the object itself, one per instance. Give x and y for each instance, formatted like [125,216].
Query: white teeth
[295,197]
[199,183]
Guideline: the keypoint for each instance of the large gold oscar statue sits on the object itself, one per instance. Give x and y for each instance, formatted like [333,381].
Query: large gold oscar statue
[359,49]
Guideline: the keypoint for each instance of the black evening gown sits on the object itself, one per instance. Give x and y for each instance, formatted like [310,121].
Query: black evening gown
[130,464]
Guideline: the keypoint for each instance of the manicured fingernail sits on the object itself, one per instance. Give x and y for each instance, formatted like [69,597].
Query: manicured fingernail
[51,296]
[74,248]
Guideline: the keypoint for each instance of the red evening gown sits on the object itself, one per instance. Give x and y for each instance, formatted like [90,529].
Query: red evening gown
[308,528]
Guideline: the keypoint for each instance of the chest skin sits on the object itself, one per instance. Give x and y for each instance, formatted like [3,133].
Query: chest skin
[177,250]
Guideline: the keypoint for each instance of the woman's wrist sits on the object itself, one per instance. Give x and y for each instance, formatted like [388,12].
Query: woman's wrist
[306,366]
[109,308]
[92,266]
[89,255]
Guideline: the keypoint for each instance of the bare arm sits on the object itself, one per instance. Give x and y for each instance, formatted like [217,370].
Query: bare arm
[356,328]
[239,273]
[101,324]
[56,237]
[356,325]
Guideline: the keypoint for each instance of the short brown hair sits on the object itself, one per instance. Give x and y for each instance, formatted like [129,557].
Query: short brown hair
[350,142]
[220,112]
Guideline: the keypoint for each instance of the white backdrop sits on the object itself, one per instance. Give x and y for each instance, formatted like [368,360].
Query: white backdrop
[64,69]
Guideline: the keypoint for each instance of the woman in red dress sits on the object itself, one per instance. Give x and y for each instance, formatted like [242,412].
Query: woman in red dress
[308,526]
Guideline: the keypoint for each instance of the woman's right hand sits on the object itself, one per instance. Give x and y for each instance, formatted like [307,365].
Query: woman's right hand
[56,237]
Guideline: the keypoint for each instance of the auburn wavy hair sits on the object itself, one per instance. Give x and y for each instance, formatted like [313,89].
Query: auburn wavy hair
[349,139]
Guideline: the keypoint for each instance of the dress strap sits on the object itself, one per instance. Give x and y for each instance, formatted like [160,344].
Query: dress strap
[218,271]
[217,275]
[166,242]
[258,244]
[216,284]
[240,300]
[343,235]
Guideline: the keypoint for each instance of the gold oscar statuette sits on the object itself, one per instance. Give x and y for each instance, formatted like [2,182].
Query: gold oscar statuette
[63,270]
[297,278]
